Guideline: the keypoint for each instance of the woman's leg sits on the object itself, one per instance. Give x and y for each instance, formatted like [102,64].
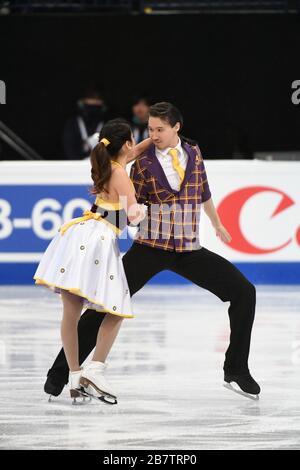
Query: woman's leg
[153,261]
[72,305]
[106,336]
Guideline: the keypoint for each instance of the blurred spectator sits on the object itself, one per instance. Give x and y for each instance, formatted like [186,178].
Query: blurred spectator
[233,141]
[237,144]
[139,121]
[81,131]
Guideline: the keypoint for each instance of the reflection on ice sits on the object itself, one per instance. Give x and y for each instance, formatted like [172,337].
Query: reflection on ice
[167,368]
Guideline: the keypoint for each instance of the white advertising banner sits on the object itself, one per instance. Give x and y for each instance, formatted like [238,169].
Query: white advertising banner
[258,203]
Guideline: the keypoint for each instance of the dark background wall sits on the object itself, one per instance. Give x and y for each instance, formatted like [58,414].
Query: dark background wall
[222,71]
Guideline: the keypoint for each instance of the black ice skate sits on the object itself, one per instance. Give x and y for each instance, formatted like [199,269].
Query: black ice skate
[243,384]
[54,385]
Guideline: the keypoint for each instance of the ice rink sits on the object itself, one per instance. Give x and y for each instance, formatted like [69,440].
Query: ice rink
[167,368]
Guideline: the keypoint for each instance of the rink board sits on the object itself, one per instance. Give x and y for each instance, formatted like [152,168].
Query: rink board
[258,203]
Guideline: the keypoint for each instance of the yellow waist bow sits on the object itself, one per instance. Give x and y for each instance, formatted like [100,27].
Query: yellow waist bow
[87,215]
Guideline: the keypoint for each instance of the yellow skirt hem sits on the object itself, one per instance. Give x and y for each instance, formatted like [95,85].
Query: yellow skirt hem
[78,292]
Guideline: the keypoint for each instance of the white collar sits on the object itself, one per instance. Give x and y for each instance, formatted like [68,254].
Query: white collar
[165,152]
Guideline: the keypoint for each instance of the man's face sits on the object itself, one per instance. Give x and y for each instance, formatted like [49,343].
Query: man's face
[93,101]
[141,111]
[162,133]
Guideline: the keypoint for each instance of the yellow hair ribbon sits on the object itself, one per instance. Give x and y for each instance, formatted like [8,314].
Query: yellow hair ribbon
[104,141]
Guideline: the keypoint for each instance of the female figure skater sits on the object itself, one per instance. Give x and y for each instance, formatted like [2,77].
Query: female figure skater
[83,261]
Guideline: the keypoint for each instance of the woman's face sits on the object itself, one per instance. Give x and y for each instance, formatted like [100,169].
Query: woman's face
[129,146]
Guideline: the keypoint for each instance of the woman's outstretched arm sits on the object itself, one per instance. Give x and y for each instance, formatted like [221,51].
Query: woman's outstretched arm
[139,149]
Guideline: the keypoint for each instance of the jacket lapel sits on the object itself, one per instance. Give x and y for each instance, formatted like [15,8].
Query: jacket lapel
[190,163]
[156,169]
[153,165]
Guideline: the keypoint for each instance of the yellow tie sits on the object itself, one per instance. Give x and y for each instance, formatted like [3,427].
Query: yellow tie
[176,164]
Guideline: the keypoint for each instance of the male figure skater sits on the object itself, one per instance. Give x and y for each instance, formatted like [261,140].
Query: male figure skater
[170,178]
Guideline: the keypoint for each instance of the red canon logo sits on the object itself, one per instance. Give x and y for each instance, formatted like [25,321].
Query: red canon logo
[230,209]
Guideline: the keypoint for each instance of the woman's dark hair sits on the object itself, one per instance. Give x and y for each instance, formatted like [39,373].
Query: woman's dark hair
[117,132]
[167,112]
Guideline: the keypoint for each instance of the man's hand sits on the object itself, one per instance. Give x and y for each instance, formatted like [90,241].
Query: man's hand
[222,233]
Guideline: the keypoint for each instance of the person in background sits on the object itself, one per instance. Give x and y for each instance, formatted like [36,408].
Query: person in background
[81,131]
[140,113]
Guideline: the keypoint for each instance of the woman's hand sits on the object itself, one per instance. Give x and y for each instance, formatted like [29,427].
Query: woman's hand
[222,233]
[139,149]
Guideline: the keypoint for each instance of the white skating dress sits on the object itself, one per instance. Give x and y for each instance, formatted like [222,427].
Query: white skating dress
[84,259]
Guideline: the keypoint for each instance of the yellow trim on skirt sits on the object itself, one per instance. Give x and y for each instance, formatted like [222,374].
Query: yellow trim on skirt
[78,292]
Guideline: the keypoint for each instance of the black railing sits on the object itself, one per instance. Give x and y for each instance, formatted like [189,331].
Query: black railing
[23,150]
[23,6]
[150,7]
[222,6]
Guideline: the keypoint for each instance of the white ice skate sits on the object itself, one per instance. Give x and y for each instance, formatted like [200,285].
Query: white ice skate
[95,384]
[76,390]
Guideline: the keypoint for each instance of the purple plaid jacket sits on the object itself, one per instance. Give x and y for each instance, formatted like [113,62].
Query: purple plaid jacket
[172,222]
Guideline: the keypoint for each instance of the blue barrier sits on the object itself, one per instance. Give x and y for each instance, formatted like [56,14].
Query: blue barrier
[31,215]
[257,273]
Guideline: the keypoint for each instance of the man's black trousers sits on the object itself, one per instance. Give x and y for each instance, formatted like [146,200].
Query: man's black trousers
[202,267]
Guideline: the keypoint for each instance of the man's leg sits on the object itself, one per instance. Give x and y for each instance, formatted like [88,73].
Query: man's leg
[222,278]
[140,264]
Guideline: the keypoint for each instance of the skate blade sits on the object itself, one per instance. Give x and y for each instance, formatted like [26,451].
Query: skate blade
[81,396]
[76,401]
[104,397]
[84,400]
[92,391]
[240,392]
[53,399]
